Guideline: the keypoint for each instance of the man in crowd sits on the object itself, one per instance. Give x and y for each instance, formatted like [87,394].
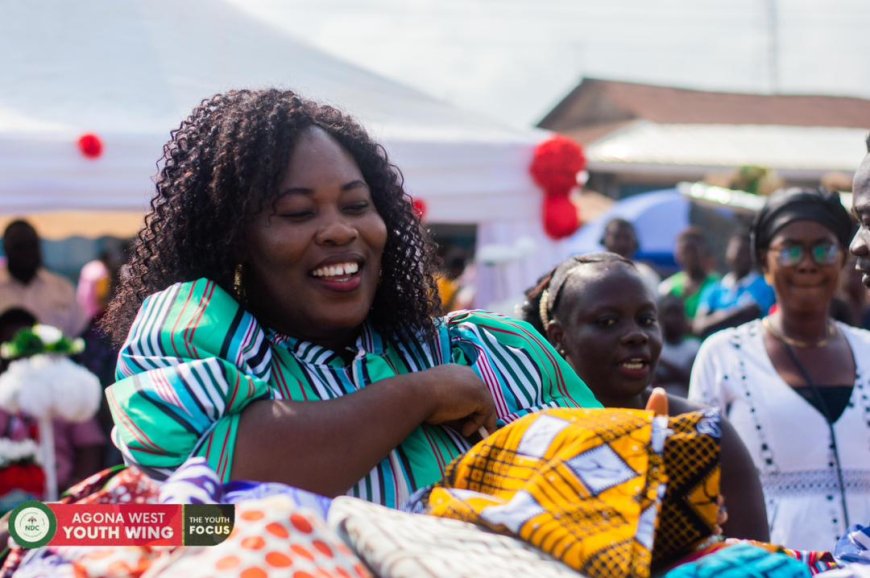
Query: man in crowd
[25,283]
[620,237]
[693,257]
[740,296]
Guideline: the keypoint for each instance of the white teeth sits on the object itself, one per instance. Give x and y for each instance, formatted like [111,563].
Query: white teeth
[634,363]
[337,270]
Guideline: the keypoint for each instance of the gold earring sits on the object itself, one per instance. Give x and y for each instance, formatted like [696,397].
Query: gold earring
[238,286]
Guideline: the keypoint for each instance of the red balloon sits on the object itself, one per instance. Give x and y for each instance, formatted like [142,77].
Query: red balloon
[560,217]
[91,146]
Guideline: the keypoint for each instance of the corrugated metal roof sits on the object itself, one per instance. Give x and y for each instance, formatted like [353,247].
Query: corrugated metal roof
[717,146]
[595,101]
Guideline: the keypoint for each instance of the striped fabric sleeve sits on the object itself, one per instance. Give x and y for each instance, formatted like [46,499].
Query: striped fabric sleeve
[522,370]
[193,360]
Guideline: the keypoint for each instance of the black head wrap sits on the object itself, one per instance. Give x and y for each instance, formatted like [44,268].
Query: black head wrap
[796,204]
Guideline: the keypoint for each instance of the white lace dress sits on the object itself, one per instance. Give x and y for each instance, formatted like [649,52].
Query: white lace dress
[788,438]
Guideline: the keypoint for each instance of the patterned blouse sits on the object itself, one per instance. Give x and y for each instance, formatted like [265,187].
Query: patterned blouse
[194,359]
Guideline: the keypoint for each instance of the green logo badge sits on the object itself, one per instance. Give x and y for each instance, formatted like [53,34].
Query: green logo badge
[32,524]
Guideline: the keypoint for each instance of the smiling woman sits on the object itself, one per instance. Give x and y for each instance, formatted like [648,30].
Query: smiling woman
[795,384]
[279,317]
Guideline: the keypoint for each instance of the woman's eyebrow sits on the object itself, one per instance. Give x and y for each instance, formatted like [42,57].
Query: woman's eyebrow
[356,183]
[791,241]
[295,191]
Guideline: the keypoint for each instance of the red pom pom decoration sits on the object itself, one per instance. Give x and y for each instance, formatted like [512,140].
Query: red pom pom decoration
[555,166]
[560,217]
[420,208]
[91,146]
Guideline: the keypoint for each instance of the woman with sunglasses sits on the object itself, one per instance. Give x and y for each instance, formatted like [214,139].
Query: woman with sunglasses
[795,384]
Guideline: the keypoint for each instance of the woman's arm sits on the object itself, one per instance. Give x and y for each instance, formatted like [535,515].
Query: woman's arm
[328,446]
[747,515]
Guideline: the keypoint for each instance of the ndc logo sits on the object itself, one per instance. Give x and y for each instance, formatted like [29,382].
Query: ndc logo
[32,524]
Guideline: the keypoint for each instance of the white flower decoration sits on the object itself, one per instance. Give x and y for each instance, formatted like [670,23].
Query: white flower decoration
[47,333]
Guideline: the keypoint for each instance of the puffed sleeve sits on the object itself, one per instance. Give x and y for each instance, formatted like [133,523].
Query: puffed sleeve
[708,382]
[193,360]
[519,366]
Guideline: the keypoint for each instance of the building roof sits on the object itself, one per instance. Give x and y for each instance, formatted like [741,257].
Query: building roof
[795,152]
[595,102]
[642,128]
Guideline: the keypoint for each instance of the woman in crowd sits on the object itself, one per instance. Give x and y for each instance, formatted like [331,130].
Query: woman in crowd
[278,318]
[795,384]
[599,314]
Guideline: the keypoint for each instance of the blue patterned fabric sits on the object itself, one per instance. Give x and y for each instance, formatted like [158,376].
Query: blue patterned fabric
[742,561]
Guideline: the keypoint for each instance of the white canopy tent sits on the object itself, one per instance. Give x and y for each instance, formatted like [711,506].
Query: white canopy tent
[130,71]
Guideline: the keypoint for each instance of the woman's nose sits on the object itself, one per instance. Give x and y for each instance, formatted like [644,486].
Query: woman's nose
[336,232]
[635,336]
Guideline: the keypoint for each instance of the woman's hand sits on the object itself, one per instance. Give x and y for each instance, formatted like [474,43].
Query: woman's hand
[459,398]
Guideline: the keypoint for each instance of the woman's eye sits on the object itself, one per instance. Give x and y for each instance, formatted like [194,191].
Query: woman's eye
[648,320]
[357,208]
[606,322]
[296,215]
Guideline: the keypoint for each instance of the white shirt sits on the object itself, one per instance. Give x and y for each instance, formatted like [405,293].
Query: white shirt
[50,298]
[788,438]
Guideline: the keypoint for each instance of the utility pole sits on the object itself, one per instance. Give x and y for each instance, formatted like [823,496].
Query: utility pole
[772,46]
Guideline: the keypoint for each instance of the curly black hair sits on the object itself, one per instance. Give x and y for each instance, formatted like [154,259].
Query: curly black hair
[542,299]
[223,165]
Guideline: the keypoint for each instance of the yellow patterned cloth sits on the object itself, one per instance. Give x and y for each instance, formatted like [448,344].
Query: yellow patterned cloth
[689,511]
[587,486]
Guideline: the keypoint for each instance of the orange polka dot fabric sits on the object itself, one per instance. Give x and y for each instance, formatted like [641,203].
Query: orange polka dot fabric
[272,538]
[115,562]
[397,544]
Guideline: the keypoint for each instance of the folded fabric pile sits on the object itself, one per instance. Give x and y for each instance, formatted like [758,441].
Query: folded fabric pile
[560,493]
[588,487]
[742,561]
[398,544]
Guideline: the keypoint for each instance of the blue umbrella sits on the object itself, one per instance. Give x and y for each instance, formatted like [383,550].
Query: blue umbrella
[658,217]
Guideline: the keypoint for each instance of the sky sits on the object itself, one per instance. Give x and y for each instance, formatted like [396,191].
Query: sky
[514,60]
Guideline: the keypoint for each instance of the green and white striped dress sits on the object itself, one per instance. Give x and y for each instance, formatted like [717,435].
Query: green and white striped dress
[194,359]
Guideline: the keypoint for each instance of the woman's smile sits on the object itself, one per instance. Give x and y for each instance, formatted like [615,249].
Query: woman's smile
[341,275]
[635,368]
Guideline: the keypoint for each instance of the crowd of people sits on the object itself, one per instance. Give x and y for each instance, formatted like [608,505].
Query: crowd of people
[283,288]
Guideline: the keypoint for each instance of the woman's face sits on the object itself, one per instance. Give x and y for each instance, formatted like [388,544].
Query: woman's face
[314,258]
[806,285]
[608,327]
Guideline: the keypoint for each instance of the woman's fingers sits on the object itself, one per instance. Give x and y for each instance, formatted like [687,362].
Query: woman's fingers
[658,402]
[480,423]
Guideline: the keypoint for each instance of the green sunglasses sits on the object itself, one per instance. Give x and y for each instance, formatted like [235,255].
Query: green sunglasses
[821,253]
